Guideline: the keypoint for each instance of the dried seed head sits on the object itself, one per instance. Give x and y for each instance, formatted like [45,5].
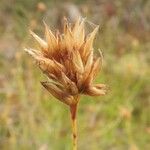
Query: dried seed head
[67,60]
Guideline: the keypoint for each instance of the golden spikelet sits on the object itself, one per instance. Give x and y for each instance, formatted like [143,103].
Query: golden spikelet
[68,61]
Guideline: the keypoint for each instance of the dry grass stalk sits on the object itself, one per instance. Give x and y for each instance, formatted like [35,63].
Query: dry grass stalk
[68,61]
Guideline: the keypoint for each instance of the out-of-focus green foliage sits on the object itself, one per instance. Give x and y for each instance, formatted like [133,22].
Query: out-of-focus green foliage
[32,119]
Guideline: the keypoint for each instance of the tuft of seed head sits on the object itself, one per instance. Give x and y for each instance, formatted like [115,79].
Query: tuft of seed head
[69,62]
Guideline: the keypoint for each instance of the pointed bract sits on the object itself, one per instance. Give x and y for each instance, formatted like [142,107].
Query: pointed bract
[50,38]
[41,42]
[58,93]
[89,42]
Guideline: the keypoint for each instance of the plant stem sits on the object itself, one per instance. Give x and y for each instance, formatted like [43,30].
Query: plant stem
[73,111]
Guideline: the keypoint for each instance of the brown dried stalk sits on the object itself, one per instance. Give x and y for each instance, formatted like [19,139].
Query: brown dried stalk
[68,61]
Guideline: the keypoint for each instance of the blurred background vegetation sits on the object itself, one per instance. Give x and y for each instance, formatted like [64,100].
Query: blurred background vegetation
[31,119]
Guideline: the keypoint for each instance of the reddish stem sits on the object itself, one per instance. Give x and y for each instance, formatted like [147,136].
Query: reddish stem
[73,111]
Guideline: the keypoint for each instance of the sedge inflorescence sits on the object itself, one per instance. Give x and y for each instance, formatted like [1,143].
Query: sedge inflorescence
[69,62]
